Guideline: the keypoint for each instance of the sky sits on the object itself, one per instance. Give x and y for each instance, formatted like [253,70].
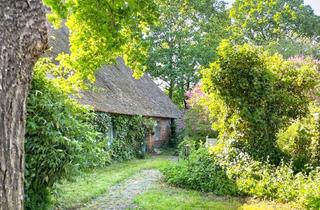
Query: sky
[315,4]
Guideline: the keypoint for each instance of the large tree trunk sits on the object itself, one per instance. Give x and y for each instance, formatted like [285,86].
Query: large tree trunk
[23,38]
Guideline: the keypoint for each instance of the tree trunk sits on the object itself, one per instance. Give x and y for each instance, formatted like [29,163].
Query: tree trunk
[171,86]
[23,38]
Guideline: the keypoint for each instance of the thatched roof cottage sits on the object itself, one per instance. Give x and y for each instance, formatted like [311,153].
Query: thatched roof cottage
[116,91]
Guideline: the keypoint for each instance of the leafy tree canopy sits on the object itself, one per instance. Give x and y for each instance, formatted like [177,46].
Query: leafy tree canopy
[101,30]
[184,39]
[290,27]
[260,21]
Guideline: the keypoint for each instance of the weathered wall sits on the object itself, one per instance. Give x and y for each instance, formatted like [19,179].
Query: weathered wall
[160,135]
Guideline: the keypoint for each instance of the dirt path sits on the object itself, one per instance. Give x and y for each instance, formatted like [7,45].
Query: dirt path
[122,196]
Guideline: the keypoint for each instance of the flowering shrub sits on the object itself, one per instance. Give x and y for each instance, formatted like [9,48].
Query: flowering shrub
[265,180]
[198,122]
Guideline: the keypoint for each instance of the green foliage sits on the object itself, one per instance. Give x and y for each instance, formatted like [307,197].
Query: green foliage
[100,31]
[185,38]
[226,170]
[200,172]
[301,142]
[295,46]
[102,122]
[286,27]
[255,95]
[198,124]
[130,134]
[264,180]
[260,21]
[59,138]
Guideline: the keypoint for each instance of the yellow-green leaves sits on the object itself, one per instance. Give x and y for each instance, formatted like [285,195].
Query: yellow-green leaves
[102,30]
[262,21]
[255,94]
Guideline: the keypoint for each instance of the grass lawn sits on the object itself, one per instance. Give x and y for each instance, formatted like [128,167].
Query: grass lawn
[91,184]
[163,197]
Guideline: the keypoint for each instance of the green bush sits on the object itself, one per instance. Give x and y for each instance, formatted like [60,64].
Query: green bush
[267,181]
[131,136]
[200,172]
[60,139]
[228,171]
[301,142]
[255,95]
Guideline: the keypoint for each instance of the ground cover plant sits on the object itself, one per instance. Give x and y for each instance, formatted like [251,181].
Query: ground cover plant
[164,197]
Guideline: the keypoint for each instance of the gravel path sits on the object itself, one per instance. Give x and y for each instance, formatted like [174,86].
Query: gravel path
[122,196]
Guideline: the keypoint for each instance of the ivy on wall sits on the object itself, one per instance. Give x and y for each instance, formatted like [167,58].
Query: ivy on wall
[128,133]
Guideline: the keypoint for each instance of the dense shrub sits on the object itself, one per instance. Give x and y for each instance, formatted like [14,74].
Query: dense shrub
[265,180]
[227,171]
[59,139]
[255,95]
[301,142]
[200,172]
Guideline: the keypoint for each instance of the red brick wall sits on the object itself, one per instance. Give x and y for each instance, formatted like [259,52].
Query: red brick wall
[161,135]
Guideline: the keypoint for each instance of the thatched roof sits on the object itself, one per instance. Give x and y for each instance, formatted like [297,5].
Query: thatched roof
[116,91]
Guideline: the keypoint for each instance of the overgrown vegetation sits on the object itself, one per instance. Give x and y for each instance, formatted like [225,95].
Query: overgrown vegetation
[129,134]
[259,104]
[301,141]
[59,139]
[268,137]
[201,172]
[256,95]
[237,174]
[73,138]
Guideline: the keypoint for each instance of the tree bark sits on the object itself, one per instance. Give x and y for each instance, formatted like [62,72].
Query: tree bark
[23,38]
[171,86]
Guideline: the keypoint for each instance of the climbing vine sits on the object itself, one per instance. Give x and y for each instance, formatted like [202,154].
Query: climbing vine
[129,134]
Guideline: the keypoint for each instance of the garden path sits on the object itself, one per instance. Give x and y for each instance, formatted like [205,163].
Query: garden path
[121,196]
